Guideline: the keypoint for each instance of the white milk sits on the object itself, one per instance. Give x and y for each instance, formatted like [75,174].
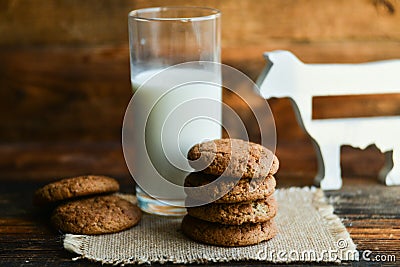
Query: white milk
[169,138]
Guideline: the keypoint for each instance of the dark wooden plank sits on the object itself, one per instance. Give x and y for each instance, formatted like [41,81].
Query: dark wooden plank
[375,105]
[86,98]
[248,59]
[45,162]
[54,160]
[370,213]
[244,22]
[80,93]
[369,210]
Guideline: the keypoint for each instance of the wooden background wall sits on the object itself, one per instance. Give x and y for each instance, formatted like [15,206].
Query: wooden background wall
[64,67]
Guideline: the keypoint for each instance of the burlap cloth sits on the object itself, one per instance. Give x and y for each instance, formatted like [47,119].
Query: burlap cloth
[308,232]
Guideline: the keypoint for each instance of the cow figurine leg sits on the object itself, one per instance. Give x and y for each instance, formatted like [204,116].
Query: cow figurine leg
[390,173]
[329,175]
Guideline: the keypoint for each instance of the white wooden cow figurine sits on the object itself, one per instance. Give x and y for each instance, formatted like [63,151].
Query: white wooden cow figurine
[286,76]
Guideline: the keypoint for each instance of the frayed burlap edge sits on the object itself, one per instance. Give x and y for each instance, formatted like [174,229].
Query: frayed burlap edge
[346,248]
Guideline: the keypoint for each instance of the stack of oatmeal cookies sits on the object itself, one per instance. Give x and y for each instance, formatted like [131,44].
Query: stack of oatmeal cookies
[230,200]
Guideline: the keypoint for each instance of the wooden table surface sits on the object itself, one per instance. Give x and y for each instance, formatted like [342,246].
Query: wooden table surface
[369,210]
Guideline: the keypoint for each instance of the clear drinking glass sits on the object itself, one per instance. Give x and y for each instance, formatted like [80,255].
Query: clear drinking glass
[159,38]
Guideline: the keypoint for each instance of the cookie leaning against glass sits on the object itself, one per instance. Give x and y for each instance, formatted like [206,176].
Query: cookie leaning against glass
[244,214]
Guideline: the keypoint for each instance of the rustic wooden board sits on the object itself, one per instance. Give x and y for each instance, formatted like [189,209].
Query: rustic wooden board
[64,67]
[325,107]
[48,161]
[244,22]
[63,92]
[372,216]
[369,210]
[70,93]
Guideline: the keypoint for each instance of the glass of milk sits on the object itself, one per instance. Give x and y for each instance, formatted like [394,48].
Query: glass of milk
[175,77]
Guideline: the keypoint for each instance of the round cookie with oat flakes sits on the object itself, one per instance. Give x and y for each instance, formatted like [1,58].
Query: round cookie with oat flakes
[227,235]
[204,188]
[237,213]
[74,187]
[234,158]
[96,215]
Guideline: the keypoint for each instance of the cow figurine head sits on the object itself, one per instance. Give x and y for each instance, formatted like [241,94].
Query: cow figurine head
[282,68]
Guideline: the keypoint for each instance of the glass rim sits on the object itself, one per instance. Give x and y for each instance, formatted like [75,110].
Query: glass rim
[213,13]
